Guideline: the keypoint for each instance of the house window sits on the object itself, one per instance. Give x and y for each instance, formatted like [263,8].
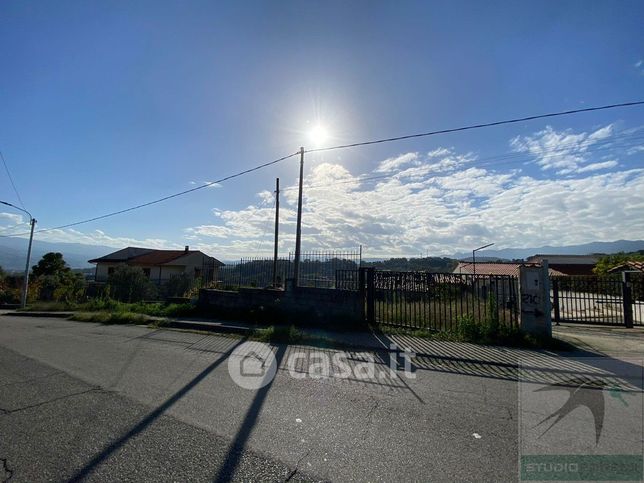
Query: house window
[197,272]
[146,271]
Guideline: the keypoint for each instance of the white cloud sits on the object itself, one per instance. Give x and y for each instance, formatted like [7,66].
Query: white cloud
[597,166]
[99,237]
[12,218]
[210,184]
[564,152]
[444,212]
[439,202]
[392,164]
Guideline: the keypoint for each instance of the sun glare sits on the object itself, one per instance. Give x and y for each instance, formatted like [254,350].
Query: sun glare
[318,135]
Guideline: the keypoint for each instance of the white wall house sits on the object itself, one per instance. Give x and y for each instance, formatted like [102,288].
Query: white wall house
[158,265]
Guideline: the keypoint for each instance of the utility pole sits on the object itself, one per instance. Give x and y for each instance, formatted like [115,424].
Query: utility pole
[32,222]
[298,232]
[25,287]
[277,224]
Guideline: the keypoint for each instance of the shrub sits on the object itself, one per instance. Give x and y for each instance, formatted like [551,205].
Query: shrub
[491,323]
[178,285]
[130,284]
[467,329]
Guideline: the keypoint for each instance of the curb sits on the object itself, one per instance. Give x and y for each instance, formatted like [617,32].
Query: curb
[59,315]
[207,326]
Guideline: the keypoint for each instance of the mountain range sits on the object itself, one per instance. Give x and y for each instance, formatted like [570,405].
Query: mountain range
[584,249]
[12,251]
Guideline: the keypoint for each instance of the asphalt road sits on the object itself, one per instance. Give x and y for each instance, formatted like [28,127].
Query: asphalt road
[105,403]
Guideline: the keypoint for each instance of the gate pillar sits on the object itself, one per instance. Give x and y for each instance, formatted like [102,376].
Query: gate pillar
[534,300]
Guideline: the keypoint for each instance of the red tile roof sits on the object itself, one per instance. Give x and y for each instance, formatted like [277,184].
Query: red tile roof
[147,256]
[497,268]
[159,257]
[630,265]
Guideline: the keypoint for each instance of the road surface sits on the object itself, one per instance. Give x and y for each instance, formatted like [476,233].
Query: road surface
[92,402]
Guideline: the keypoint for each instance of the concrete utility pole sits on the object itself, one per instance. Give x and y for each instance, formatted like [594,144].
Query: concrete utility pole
[25,285]
[277,224]
[298,232]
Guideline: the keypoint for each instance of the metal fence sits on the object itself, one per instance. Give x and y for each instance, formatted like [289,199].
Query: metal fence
[603,300]
[250,272]
[440,301]
[320,268]
[317,269]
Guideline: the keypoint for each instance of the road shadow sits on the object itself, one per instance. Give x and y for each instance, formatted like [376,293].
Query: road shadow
[507,363]
[86,470]
[238,444]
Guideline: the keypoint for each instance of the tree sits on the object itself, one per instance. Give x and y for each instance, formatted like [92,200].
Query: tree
[607,262]
[130,284]
[178,285]
[51,263]
[56,281]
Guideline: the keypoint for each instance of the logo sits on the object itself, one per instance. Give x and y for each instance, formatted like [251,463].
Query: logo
[252,365]
[581,393]
[585,426]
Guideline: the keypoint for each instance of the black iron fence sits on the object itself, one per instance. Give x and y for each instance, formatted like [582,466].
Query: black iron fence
[317,269]
[440,301]
[606,300]
[320,268]
[250,272]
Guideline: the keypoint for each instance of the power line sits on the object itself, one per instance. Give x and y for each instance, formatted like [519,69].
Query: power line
[478,126]
[490,161]
[365,143]
[165,198]
[6,168]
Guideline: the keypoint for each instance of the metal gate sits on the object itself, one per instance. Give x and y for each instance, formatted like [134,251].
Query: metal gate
[603,300]
[438,301]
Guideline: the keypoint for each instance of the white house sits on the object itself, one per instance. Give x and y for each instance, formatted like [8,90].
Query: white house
[158,265]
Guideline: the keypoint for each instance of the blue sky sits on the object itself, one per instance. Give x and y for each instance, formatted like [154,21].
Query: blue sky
[110,104]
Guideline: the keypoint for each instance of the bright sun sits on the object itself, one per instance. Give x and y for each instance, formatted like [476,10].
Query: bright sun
[318,135]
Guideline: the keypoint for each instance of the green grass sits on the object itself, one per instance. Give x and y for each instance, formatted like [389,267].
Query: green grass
[111,317]
[278,335]
[486,332]
[437,314]
[156,309]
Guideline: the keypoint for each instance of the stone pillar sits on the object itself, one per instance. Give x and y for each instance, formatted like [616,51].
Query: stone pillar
[534,300]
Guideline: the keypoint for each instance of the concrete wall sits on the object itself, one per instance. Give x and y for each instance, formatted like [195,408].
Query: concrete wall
[300,306]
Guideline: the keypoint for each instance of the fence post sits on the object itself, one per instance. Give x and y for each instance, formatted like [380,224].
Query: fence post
[555,301]
[362,280]
[627,300]
[371,299]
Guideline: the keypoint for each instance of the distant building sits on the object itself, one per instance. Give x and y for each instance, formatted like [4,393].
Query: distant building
[158,265]
[498,268]
[630,266]
[568,264]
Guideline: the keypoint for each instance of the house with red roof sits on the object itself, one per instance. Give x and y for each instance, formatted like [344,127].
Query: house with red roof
[158,265]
